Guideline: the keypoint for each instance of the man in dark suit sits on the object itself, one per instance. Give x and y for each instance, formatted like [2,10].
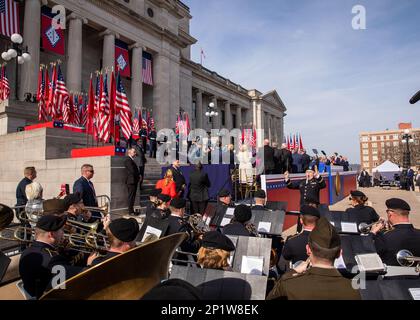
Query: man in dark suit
[132,179]
[178,178]
[199,190]
[269,164]
[402,236]
[30,175]
[306,161]
[140,160]
[286,159]
[85,187]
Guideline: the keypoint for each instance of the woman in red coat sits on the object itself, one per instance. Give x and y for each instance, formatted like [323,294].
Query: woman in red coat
[167,184]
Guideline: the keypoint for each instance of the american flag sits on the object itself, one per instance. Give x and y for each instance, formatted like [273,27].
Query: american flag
[96,111]
[136,125]
[123,108]
[9,17]
[42,111]
[61,97]
[104,123]
[90,112]
[147,71]
[4,84]
[82,110]
[68,110]
[52,92]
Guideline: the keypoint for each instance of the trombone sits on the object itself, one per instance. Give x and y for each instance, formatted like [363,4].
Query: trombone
[406,259]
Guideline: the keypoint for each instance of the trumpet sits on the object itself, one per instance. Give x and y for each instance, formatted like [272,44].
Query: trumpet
[406,259]
[365,228]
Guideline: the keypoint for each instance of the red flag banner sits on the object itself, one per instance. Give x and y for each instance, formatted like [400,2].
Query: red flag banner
[122,60]
[52,39]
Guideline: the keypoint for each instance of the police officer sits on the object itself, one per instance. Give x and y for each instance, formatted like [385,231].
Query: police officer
[260,200]
[122,234]
[143,137]
[360,212]
[153,199]
[309,188]
[402,236]
[294,249]
[153,143]
[223,204]
[321,281]
[37,261]
[237,227]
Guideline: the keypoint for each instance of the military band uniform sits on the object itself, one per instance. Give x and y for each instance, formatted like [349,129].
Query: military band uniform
[314,284]
[236,229]
[362,213]
[259,208]
[104,258]
[179,225]
[143,137]
[308,190]
[153,143]
[401,237]
[294,249]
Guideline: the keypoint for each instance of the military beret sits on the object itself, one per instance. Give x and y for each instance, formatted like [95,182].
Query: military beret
[54,206]
[72,199]
[6,216]
[396,203]
[224,193]
[260,194]
[125,230]
[357,193]
[178,203]
[243,213]
[164,197]
[51,222]
[325,235]
[155,192]
[216,240]
[310,211]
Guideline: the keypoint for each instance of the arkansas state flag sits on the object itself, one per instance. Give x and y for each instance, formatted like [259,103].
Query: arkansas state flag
[122,60]
[52,39]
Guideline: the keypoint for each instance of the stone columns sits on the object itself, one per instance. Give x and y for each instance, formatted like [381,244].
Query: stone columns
[108,51]
[228,116]
[31,35]
[74,64]
[136,77]
[239,117]
[216,120]
[199,109]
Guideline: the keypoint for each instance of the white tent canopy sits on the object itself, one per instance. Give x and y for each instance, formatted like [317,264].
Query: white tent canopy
[387,166]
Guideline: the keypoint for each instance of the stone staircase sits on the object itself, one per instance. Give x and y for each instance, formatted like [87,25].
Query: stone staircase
[152,174]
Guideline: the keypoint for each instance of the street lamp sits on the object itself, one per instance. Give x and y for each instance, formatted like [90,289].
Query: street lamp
[407,138]
[19,52]
[211,113]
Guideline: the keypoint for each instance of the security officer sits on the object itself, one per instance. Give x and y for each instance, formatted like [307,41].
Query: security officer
[143,137]
[360,212]
[153,143]
[260,200]
[237,227]
[402,236]
[294,249]
[37,261]
[309,188]
[225,201]
[122,234]
[321,281]
[151,204]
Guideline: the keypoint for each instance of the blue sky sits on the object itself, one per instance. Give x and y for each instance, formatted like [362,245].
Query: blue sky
[334,81]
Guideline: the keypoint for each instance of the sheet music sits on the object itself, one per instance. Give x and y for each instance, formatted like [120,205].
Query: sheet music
[415,293]
[230,212]
[264,226]
[252,265]
[339,263]
[150,231]
[349,227]
[369,262]
[225,221]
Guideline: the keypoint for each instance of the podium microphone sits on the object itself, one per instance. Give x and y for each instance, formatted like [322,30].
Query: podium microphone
[415,98]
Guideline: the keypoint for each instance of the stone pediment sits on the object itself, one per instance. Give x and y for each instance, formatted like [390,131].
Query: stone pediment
[274,99]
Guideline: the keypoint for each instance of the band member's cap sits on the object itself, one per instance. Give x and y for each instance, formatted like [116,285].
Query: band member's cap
[224,193]
[125,230]
[216,240]
[325,235]
[164,197]
[54,206]
[51,222]
[357,193]
[310,211]
[243,213]
[178,203]
[396,204]
[260,194]
[155,192]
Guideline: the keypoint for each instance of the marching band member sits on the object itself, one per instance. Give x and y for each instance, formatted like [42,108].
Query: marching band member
[223,204]
[260,198]
[161,211]
[122,234]
[237,227]
[360,212]
[321,281]
[153,200]
[402,236]
[36,262]
[215,251]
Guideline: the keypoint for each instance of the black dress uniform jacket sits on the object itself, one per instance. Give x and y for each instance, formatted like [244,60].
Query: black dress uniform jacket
[362,213]
[21,199]
[294,249]
[259,208]
[133,174]
[179,225]
[107,256]
[314,284]
[236,229]
[401,237]
[308,190]
[199,184]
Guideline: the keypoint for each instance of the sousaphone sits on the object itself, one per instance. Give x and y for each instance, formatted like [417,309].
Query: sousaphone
[128,276]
